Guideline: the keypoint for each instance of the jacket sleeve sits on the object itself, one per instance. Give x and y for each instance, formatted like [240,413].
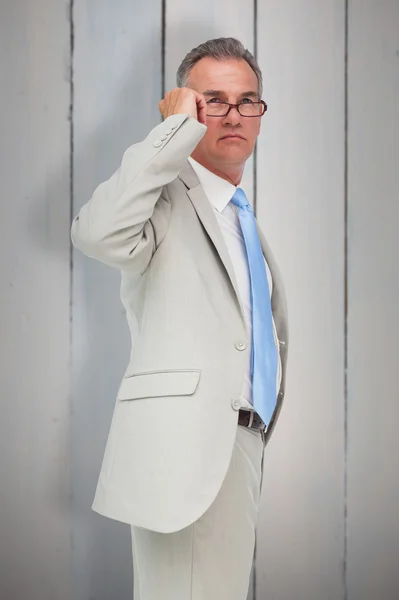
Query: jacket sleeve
[127,217]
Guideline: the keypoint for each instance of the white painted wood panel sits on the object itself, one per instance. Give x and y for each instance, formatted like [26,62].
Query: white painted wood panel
[300,177]
[187,26]
[35,301]
[117,89]
[191,24]
[373,323]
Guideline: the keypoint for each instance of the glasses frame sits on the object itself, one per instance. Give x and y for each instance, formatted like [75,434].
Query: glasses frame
[236,106]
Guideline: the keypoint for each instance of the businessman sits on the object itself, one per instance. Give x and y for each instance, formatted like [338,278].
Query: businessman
[205,305]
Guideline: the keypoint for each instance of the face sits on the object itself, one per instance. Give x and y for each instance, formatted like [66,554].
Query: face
[233,79]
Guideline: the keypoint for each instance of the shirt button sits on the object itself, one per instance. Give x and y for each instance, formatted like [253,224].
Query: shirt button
[168,131]
[240,345]
[173,126]
[236,404]
[163,137]
[157,143]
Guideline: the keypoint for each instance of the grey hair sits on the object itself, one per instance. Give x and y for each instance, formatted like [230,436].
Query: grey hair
[220,49]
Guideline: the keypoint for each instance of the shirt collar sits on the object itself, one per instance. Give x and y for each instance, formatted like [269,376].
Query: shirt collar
[218,190]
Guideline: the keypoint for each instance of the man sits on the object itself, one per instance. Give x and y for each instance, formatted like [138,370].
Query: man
[184,458]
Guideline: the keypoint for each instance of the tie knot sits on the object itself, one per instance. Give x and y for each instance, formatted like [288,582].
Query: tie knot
[240,199]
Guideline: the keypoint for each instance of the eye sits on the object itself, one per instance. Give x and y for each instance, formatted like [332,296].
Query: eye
[248,99]
[215,100]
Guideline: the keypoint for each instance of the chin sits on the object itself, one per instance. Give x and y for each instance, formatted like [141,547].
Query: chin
[234,157]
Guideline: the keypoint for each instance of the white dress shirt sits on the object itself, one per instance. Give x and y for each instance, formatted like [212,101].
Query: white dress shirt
[220,192]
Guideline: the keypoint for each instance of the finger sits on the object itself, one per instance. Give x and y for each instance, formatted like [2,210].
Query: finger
[201,108]
[201,101]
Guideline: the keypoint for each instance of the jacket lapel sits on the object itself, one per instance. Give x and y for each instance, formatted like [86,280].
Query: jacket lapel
[207,217]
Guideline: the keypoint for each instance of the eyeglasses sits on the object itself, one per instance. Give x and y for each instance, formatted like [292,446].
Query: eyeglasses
[245,109]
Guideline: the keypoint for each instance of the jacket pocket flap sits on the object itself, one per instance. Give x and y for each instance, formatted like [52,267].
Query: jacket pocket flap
[159,383]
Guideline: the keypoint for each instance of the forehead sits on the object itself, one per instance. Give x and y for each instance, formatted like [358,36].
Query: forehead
[226,75]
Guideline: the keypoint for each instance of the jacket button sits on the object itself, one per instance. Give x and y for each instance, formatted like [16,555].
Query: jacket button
[240,345]
[168,131]
[236,404]
[157,143]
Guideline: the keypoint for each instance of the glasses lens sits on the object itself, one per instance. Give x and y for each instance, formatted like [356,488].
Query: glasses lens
[216,108]
[246,109]
[251,109]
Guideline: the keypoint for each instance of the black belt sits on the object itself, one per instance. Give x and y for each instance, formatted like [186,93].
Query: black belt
[245,417]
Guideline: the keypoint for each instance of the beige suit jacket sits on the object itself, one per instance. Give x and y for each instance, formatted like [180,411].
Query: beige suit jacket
[175,417]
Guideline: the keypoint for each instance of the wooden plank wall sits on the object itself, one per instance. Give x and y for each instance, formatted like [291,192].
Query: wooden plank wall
[117,87]
[35,548]
[324,182]
[373,297]
[300,182]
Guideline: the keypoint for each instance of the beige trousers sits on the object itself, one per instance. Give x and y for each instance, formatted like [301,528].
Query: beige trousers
[211,559]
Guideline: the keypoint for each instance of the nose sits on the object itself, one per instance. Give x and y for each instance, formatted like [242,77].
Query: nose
[233,117]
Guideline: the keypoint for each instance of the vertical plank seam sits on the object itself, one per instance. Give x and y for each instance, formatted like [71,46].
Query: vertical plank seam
[255,186]
[71,155]
[345,557]
[163,47]
[71,132]
[71,208]
[71,166]
[255,189]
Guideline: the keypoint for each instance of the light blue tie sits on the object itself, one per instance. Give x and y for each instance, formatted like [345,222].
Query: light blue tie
[264,352]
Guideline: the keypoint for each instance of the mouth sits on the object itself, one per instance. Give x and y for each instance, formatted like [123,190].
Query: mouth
[232,137]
